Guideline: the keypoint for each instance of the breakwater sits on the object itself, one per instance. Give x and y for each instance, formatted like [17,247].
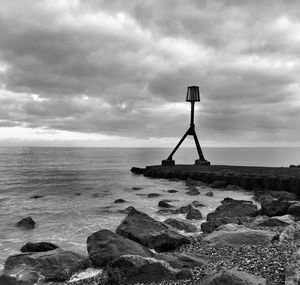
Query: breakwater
[246,177]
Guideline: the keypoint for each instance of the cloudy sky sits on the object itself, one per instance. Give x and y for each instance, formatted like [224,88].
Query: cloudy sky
[115,73]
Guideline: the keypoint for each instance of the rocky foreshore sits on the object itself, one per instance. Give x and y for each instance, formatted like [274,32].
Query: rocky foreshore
[239,243]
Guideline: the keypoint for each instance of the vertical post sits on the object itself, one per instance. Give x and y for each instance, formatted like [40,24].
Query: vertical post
[192,112]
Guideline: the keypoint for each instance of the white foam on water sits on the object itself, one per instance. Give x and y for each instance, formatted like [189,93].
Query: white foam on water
[89,273]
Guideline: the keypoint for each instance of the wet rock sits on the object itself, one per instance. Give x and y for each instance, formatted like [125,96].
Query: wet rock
[209,194]
[126,210]
[38,247]
[153,195]
[193,214]
[292,270]
[185,209]
[232,277]
[118,201]
[136,188]
[172,191]
[218,184]
[212,225]
[230,200]
[54,265]
[164,204]
[197,204]
[141,228]
[130,269]
[193,191]
[26,224]
[181,225]
[104,246]
[36,196]
[233,209]
[272,222]
[275,208]
[243,236]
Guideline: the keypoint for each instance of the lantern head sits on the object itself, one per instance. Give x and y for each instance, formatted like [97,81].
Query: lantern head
[192,94]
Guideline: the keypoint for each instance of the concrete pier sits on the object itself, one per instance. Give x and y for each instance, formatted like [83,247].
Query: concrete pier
[246,177]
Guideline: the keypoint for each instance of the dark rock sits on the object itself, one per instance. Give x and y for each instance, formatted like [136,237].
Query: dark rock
[78,194]
[104,246]
[54,265]
[233,209]
[21,278]
[38,247]
[181,225]
[153,195]
[119,201]
[137,170]
[172,191]
[208,227]
[275,208]
[232,277]
[197,204]
[141,228]
[209,194]
[164,204]
[193,214]
[243,236]
[294,210]
[191,182]
[233,188]
[136,188]
[185,209]
[127,210]
[230,200]
[272,222]
[283,195]
[218,184]
[26,224]
[36,196]
[131,269]
[193,191]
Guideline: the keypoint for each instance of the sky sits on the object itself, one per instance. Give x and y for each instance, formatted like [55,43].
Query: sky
[115,73]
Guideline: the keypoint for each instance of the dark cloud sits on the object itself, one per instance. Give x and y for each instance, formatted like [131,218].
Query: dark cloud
[122,68]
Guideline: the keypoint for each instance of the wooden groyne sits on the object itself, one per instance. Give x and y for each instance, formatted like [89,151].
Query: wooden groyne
[246,177]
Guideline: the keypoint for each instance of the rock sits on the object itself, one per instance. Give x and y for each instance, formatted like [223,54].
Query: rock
[193,214]
[294,210]
[185,209]
[38,247]
[290,232]
[230,200]
[233,209]
[232,277]
[104,246]
[172,191]
[209,194]
[191,182]
[272,222]
[181,225]
[197,204]
[218,184]
[283,195]
[164,204]
[131,269]
[292,269]
[26,224]
[230,227]
[54,265]
[193,191]
[243,236]
[141,228]
[126,210]
[136,188]
[275,208]
[281,220]
[208,227]
[153,195]
[233,188]
[119,201]
[21,278]
[36,196]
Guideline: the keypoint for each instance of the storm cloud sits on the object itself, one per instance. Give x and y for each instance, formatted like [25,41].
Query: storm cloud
[121,68]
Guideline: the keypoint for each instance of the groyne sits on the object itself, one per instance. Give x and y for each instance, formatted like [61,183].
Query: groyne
[246,177]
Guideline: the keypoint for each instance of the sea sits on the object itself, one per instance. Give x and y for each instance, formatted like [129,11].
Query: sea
[77,187]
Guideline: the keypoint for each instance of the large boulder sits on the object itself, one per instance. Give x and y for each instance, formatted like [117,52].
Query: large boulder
[233,209]
[104,246]
[232,277]
[290,232]
[181,225]
[141,228]
[38,247]
[237,237]
[54,265]
[26,224]
[213,224]
[131,269]
[275,208]
[292,269]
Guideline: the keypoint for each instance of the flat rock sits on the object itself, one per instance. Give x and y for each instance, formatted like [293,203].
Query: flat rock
[181,225]
[275,208]
[153,195]
[172,191]
[130,269]
[104,246]
[38,247]
[143,229]
[239,237]
[292,269]
[26,224]
[54,265]
[232,277]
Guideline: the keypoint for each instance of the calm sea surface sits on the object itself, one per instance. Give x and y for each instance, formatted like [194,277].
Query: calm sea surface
[79,185]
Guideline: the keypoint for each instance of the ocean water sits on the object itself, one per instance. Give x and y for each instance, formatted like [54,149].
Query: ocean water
[79,185]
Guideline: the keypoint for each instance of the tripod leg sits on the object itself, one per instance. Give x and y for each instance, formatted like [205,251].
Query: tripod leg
[178,145]
[201,156]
